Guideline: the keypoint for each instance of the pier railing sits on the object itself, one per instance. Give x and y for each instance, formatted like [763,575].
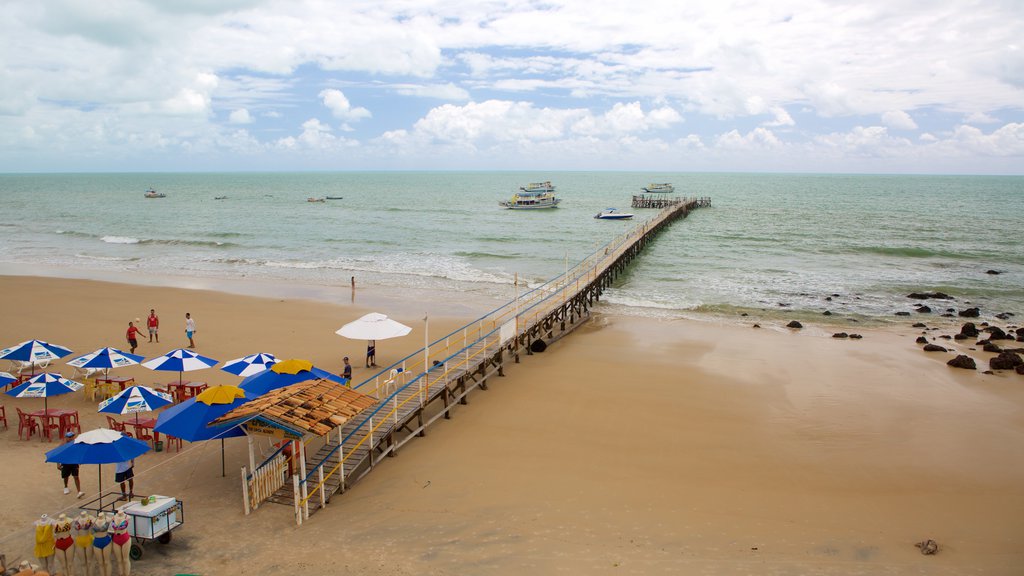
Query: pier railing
[406,385]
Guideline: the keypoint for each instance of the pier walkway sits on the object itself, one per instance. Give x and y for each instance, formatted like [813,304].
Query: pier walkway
[426,386]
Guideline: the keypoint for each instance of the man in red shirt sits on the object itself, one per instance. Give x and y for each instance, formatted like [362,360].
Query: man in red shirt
[133,336]
[153,322]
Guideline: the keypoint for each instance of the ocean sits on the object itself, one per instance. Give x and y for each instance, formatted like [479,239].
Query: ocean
[771,246]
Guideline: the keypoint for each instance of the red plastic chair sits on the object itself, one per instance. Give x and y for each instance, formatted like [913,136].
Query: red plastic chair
[118,426]
[68,423]
[3,415]
[141,433]
[26,423]
[172,441]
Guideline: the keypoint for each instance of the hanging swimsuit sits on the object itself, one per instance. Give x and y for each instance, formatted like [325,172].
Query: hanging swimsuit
[44,540]
[120,531]
[100,542]
[83,537]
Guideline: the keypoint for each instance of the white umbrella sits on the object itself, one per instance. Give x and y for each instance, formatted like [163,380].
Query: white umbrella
[373,326]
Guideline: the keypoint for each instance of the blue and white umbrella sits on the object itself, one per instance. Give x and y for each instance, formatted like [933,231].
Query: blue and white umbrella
[135,399]
[6,379]
[100,446]
[249,365]
[34,351]
[106,358]
[43,386]
[180,360]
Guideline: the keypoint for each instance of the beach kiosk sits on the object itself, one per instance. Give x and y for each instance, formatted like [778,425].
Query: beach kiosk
[293,416]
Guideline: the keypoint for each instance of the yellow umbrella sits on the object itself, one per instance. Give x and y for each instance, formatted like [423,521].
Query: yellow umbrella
[222,394]
[293,366]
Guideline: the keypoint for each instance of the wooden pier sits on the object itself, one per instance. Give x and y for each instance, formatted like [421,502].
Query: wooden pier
[427,385]
[661,201]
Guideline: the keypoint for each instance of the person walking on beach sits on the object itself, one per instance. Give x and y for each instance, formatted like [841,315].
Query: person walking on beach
[124,472]
[133,336]
[346,372]
[190,329]
[153,323]
[70,470]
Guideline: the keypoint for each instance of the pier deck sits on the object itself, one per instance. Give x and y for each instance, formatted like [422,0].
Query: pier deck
[427,385]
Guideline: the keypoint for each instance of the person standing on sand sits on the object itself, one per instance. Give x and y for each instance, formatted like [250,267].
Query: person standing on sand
[153,323]
[190,329]
[132,336]
[346,372]
[371,353]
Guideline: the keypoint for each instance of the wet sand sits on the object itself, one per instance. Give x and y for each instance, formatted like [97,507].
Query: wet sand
[633,446]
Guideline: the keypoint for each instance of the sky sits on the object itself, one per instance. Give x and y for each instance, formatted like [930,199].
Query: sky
[893,86]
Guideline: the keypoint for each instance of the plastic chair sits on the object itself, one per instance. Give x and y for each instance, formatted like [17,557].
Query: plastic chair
[26,423]
[49,428]
[68,423]
[172,441]
[141,432]
[118,426]
[3,415]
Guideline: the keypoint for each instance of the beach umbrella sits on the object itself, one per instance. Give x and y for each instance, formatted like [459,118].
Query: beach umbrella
[106,358]
[180,360]
[34,351]
[136,399]
[373,326]
[284,374]
[6,379]
[43,386]
[190,419]
[100,446]
[249,365]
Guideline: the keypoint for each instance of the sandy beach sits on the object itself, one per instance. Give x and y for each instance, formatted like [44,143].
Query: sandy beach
[632,446]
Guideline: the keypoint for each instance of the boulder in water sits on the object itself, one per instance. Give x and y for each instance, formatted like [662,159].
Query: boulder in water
[963,361]
[970,313]
[934,348]
[794,324]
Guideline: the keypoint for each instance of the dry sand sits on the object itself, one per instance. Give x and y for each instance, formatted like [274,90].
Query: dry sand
[633,446]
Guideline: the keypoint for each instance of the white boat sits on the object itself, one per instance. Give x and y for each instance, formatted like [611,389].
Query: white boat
[154,194]
[612,214]
[311,199]
[533,196]
[663,188]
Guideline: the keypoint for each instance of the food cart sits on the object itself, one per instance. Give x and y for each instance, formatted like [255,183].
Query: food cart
[150,518]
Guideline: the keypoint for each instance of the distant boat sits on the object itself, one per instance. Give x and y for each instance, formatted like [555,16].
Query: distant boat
[533,196]
[311,199]
[663,188]
[220,197]
[335,197]
[150,193]
[612,214]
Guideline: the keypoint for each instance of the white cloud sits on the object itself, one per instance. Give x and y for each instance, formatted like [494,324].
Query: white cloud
[340,107]
[447,91]
[782,118]
[758,138]
[899,120]
[240,116]
[980,118]
[1005,141]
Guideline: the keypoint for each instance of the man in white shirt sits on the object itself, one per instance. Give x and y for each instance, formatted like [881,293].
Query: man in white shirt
[124,472]
[190,329]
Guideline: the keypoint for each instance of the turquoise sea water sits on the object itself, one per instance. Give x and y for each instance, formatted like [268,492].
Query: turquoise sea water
[768,240]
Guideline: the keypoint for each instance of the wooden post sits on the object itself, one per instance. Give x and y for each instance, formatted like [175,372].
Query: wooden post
[323,487]
[295,491]
[245,491]
[252,455]
[301,447]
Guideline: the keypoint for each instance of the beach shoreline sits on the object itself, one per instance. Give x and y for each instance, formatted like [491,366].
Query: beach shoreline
[632,446]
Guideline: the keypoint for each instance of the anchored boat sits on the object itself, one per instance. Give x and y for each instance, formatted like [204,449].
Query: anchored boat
[150,193]
[612,214]
[533,196]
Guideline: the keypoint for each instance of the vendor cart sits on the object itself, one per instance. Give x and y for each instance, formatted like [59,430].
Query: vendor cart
[150,518]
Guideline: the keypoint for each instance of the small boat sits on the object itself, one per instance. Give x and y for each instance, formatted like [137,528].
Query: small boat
[311,199]
[612,214]
[663,188]
[335,197]
[533,196]
[150,193]
[220,197]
